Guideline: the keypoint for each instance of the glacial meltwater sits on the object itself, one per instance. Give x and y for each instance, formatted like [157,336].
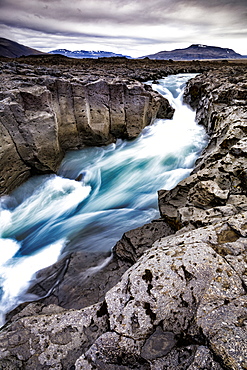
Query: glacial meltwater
[97,195]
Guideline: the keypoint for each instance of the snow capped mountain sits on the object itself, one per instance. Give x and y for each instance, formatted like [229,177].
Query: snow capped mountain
[87,54]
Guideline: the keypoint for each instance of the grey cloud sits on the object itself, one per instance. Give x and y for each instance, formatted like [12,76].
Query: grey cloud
[76,19]
[117,11]
[92,36]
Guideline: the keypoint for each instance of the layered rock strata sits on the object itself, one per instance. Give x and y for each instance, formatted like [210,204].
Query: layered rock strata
[43,117]
[182,303]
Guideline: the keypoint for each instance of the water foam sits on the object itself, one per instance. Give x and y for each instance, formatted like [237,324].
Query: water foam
[115,191]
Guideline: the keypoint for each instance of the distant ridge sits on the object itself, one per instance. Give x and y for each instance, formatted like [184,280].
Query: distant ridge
[87,54]
[11,49]
[197,51]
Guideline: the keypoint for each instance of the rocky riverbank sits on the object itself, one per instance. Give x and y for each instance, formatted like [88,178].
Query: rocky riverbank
[51,104]
[164,300]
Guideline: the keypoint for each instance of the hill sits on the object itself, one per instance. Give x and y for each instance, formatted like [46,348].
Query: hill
[86,54]
[197,51]
[12,49]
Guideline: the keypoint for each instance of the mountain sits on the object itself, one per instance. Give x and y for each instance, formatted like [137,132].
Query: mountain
[87,54]
[197,51]
[12,49]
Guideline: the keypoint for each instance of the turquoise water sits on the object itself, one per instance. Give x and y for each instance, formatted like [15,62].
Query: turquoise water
[97,195]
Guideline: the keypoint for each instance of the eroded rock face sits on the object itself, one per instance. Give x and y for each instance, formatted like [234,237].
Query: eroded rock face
[53,339]
[185,290]
[181,302]
[217,186]
[82,278]
[42,117]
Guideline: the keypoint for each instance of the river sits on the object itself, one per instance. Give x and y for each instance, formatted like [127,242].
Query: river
[98,194]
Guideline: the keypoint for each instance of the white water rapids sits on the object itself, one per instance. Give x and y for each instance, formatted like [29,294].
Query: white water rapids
[117,191]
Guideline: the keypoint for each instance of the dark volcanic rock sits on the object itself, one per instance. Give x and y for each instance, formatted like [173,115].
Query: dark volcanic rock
[52,338]
[181,302]
[81,279]
[192,357]
[217,186]
[158,345]
[135,242]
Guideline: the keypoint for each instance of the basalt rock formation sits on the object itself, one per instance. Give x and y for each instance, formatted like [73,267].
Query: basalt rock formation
[217,186]
[181,302]
[41,117]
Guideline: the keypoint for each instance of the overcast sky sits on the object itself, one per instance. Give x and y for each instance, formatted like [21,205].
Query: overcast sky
[131,27]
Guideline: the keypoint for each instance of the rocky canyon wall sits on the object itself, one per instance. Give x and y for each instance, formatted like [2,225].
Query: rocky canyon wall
[217,186]
[174,294]
[43,117]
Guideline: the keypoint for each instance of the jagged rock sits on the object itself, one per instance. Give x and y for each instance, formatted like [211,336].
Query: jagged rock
[112,351]
[207,193]
[186,288]
[171,201]
[51,340]
[182,290]
[184,267]
[182,303]
[82,278]
[191,357]
[135,242]
[240,149]
[221,172]
[197,217]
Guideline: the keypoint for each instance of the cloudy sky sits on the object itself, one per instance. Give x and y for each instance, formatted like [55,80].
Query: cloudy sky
[131,27]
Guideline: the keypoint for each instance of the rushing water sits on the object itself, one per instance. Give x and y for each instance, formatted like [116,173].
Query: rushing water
[115,190]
